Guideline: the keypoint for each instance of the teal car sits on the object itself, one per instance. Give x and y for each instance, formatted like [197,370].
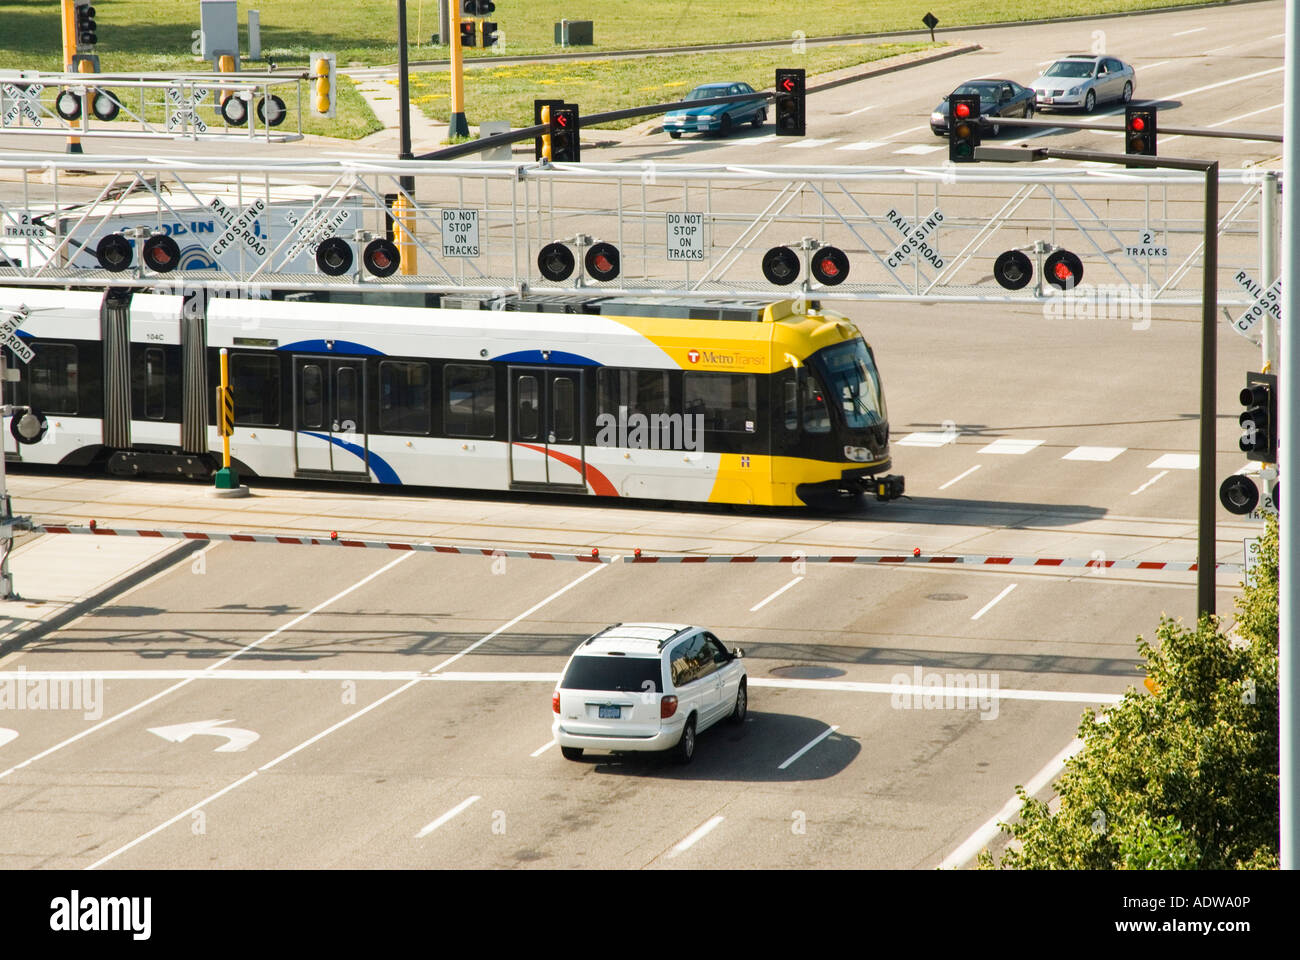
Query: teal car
[719,117]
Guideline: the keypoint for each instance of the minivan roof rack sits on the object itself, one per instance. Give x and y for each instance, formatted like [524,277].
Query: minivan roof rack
[601,633]
[667,640]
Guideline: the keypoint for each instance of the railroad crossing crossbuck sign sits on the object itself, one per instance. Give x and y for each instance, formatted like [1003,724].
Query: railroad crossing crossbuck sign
[181,109]
[9,338]
[24,101]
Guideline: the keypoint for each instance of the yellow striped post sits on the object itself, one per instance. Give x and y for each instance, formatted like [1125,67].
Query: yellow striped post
[226,479]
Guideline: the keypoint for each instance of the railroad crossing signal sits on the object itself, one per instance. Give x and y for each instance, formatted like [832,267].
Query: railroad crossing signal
[1140,130]
[566,146]
[225,412]
[963,127]
[467,32]
[324,102]
[791,113]
[1259,421]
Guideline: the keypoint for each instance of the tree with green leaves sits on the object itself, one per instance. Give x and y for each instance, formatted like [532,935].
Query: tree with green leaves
[1184,774]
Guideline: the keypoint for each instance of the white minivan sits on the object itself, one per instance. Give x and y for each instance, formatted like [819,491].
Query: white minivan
[647,686]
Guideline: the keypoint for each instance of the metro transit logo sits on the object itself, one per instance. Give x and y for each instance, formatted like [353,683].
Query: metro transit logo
[693,356]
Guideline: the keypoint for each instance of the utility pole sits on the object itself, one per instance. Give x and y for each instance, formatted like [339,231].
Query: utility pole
[458,126]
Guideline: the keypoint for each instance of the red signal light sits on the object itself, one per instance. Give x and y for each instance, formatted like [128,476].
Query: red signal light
[1062,271]
[787,84]
[562,120]
[829,268]
[1137,125]
[963,110]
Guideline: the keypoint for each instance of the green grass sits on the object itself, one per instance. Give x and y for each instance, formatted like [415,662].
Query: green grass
[506,92]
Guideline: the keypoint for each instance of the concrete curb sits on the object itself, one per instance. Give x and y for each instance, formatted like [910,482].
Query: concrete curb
[841,38]
[101,596]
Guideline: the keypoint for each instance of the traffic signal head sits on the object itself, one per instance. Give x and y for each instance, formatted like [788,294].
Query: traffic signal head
[87,32]
[1259,421]
[381,257]
[830,266]
[963,127]
[1140,130]
[1063,269]
[467,33]
[791,116]
[556,263]
[483,7]
[334,257]
[161,253]
[491,35]
[602,262]
[114,253]
[324,103]
[1012,270]
[565,144]
[781,266]
[28,425]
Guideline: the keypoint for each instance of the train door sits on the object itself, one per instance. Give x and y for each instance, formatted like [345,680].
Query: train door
[330,417]
[545,427]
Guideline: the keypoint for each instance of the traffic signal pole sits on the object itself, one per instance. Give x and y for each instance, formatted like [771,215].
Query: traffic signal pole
[1288,516]
[403,220]
[458,126]
[70,51]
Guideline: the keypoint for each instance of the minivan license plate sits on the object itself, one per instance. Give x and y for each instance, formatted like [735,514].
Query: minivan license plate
[610,713]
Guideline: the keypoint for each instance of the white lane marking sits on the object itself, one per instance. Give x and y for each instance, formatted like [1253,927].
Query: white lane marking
[1148,483]
[1275,36]
[895,136]
[862,145]
[808,144]
[920,149]
[1218,50]
[770,597]
[1243,116]
[854,113]
[6,735]
[207,670]
[1175,461]
[1183,33]
[346,720]
[1149,66]
[1221,83]
[1011,446]
[237,739]
[959,477]
[463,805]
[542,749]
[928,439]
[978,840]
[989,606]
[808,746]
[1098,454]
[908,689]
[696,835]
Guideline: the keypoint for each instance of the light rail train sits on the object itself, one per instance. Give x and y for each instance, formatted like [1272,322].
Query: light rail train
[745,404]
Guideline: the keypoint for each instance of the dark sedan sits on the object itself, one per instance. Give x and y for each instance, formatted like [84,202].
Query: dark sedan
[998,98]
[719,118]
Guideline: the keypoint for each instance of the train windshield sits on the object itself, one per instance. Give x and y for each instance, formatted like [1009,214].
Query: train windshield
[852,383]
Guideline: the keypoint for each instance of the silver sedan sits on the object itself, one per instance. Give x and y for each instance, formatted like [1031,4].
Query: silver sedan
[1082,82]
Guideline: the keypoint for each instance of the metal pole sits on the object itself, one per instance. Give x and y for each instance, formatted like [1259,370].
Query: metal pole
[444,22]
[1268,261]
[403,90]
[458,126]
[1289,517]
[6,514]
[1209,384]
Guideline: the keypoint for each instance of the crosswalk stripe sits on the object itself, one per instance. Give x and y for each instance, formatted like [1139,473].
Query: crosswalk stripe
[920,149]
[1014,446]
[862,145]
[1097,454]
[808,144]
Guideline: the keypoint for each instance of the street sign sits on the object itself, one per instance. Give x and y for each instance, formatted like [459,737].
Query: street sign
[24,102]
[20,226]
[241,230]
[181,110]
[9,338]
[1266,302]
[460,233]
[1147,246]
[685,236]
[1251,545]
[914,239]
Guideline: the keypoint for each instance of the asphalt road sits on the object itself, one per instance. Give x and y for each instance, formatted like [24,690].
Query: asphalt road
[401,705]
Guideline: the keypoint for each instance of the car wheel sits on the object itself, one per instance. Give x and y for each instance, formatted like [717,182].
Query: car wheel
[685,748]
[1128,93]
[1029,111]
[725,127]
[761,119]
[742,705]
[675,134]
[571,753]
[1090,102]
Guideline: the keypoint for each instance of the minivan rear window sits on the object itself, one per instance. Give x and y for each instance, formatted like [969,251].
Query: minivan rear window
[629,674]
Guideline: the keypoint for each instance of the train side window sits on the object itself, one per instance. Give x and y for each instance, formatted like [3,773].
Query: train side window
[346,417]
[790,404]
[641,391]
[563,405]
[727,401]
[155,384]
[53,376]
[255,382]
[312,400]
[404,401]
[470,400]
[816,417]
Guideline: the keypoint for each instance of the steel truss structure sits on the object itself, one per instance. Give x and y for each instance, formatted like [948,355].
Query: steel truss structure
[910,234]
[171,106]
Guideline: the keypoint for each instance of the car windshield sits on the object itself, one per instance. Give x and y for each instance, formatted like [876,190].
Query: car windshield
[986,91]
[604,672]
[851,382]
[1070,68]
[705,93]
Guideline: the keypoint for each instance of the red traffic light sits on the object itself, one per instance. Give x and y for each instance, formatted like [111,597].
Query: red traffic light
[830,266]
[381,257]
[787,84]
[161,253]
[962,110]
[1063,269]
[1137,124]
[602,262]
[561,120]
